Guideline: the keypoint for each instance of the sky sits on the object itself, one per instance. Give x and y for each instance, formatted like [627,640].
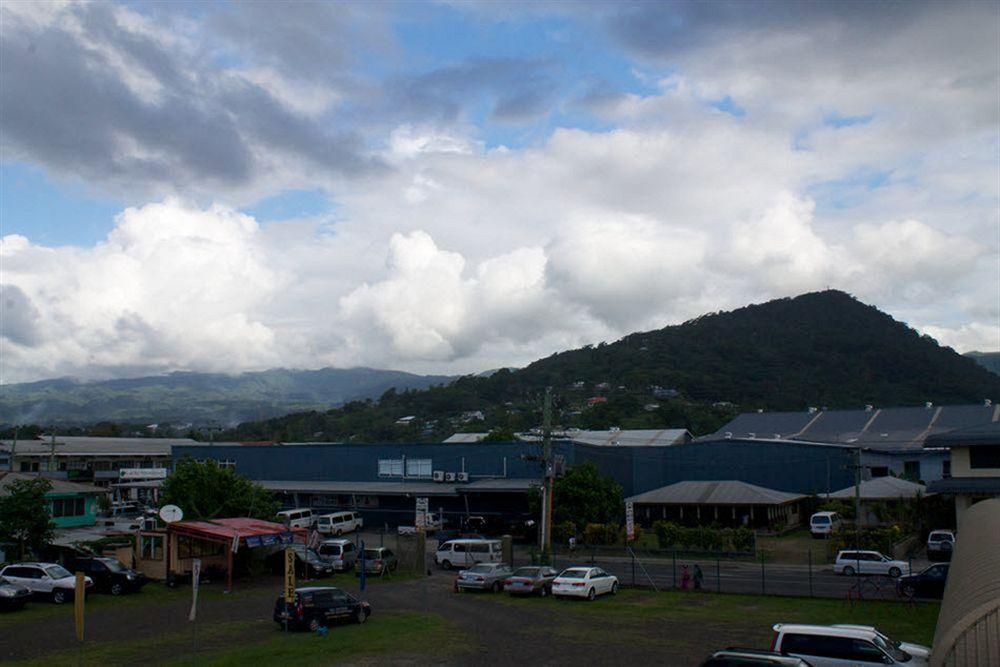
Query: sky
[452,187]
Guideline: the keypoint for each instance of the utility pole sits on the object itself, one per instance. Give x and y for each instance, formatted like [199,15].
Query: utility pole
[52,452]
[549,470]
[857,497]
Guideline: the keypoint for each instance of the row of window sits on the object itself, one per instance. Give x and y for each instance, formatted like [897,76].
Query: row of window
[96,466]
[419,468]
[62,507]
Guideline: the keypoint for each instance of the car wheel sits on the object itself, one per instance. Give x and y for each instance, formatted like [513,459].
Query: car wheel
[495,588]
[614,588]
[909,591]
[117,589]
[314,624]
[58,596]
[446,565]
[542,592]
[361,616]
[591,594]
[848,571]
[895,572]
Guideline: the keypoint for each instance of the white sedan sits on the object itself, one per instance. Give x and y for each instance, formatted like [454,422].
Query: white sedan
[850,563]
[584,582]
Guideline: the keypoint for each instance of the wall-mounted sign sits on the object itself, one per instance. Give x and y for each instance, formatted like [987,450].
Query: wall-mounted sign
[142,473]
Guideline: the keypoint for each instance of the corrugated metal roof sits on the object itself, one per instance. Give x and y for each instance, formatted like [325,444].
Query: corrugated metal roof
[966,485]
[364,488]
[884,488]
[631,437]
[728,492]
[981,434]
[229,527]
[82,446]
[58,485]
[465,437]
[498,485]
[968,627]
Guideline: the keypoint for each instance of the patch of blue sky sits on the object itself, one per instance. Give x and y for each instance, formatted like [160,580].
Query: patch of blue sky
[848,192]
[727,105]
[838,121]
[290,204]
[572,58]
[49,214]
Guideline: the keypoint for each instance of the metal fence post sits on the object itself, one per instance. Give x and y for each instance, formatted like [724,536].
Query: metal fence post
[675,567]
[762,586]
[593,555]
[633,567]
[718,578]
[810,572]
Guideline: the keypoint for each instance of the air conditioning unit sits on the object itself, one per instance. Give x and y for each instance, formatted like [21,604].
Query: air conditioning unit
[462,477]
[449,477]
[439,475]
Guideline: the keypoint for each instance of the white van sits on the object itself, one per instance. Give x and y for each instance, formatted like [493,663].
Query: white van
[296,518]
[822,524]
[338,523]
[466,553]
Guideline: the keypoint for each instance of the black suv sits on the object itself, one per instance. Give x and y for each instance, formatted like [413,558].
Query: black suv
[927,584]
[317,607]
[110,575]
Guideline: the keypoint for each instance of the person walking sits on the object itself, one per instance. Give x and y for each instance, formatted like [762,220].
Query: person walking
[698,577]
[685,578]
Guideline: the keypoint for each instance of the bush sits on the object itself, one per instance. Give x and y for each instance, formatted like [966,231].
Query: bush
[561,532]
[743,539]
[668,533]
[601,533]
[703,538]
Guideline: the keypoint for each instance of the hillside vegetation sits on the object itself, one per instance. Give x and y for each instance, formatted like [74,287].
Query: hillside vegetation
[818,349]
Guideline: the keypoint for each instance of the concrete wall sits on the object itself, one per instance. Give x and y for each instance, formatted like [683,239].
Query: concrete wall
[960,466]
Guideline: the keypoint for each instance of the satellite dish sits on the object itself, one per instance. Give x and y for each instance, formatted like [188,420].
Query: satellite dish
[171,513]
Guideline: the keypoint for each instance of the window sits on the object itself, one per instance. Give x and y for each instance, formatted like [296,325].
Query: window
[911,469]
[151,547]
[418,468]
[863,651]
[390,467]
[188,547]
[880,471]
[984,456]
[227,464]
[29,466]
[945,469]
[68,507]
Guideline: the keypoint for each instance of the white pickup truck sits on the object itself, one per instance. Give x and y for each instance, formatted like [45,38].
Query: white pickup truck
[433,522]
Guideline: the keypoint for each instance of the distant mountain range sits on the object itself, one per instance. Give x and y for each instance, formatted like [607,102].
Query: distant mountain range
[988,360]
[204,399]
[823,349]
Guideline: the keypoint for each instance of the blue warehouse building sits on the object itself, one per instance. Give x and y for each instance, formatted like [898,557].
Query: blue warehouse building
[496,480]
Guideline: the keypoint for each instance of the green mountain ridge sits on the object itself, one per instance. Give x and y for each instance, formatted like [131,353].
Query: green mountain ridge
[818,349]
[203,399]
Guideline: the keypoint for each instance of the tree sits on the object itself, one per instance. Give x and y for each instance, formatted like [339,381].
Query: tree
[24,515]
[585,496]
[204,490]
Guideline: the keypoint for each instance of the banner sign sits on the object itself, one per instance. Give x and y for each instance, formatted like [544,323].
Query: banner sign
[289,575]
[268,540]
[420,521]
[629,521]
[79,596]
[253,541]
[286,538]
[195,580]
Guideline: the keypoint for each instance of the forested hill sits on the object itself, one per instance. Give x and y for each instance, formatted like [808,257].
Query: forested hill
[204,399]
[817,349]
[988,360]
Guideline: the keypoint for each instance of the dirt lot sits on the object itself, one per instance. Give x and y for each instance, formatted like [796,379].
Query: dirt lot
[422,621]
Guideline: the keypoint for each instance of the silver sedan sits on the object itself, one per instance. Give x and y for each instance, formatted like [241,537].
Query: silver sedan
[483,577]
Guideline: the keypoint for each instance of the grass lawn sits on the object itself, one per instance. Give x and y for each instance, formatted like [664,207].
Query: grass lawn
[261,641]
[901,621]
[793,548]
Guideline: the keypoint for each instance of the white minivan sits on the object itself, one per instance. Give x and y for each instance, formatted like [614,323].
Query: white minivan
[822,524]
[338,523]
[466,553]
[296,518]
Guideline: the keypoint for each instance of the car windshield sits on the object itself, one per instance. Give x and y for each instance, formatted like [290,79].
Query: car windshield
[891,647]
[530,572]
[57,571]
[574,574]
[481,569]
[821,519]
[114,565]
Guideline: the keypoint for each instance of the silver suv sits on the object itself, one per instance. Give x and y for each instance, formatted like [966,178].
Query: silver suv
[342,554]
[845,646]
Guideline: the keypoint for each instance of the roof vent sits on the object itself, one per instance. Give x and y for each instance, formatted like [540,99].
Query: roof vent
[928,405]
[777,436]
[760,410]
[885,435]
[869,407]
[751,435]
[729,435]
[987,402]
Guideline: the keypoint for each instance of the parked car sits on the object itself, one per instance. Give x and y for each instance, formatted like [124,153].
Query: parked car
[317,607]
[850,563]
[13,596]
[379,560]
[45,580]
[531,580]
[823,524]
[940,544]
[927,584]
[339,523]
[110,575]
[466,553]
[341,554]
[749,657]
[584,582]
[449,534]
[845,645]
[432,522]
[308,563]
[483,577]
[296,518]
